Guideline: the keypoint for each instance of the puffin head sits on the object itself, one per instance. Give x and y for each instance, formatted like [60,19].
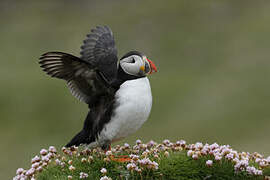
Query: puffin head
[137,64]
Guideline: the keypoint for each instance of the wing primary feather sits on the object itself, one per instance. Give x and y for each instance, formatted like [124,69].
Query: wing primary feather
[48,65]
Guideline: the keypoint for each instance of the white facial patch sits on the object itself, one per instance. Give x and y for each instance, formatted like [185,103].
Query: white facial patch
[131,65]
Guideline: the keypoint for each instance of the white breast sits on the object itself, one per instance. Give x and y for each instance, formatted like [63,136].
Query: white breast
[133,106]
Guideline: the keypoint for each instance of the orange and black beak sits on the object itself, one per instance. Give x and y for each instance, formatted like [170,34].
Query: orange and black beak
[153,68]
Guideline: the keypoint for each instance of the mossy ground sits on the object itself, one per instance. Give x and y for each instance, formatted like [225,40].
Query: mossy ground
[175,166]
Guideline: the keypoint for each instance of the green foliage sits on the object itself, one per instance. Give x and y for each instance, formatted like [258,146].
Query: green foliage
[177,166]
[93,169]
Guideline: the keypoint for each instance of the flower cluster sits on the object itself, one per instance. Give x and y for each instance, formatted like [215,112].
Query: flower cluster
[103,170]
[242,161]
[38,163]
[83,175]
[142,157]
[138,165]
[105,178]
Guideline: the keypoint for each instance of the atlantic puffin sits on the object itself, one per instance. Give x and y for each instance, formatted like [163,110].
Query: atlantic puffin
[117,92]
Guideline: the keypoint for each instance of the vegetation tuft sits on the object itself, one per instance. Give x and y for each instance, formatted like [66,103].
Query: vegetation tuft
[149,161]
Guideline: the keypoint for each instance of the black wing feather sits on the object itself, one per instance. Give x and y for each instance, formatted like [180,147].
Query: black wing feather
[79,75]
[99,50]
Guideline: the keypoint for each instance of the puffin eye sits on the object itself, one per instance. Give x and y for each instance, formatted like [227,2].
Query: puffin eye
[133,60]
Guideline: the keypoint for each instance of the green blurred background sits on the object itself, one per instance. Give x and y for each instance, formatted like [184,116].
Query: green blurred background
[212,86]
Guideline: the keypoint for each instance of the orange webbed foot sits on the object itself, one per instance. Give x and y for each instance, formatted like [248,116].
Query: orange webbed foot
[122,158]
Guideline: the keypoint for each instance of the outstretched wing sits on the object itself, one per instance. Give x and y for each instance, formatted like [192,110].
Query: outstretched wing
[89,76]
[99,50]
[82,79]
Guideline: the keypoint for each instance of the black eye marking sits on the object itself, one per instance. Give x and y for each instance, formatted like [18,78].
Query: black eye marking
[133,60]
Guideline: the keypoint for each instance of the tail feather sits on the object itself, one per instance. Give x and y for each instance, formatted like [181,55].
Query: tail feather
[81,138]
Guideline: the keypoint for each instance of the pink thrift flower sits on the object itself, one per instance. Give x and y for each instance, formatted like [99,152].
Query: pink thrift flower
[214,146]
[103,170]
[52,149]
[19,171]
[43,152]
[35,159]
[83,175]
[218,158]
[105,178]
[198,145]
[35,165]
[209,163]
[190,153]
[195,156]
[131,166]
[138,141]
[151,143]
[58,162]
[30,172]
[39,168]
[71,168]
[126,145]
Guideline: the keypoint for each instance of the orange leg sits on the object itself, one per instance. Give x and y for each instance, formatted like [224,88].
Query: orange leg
[122,158]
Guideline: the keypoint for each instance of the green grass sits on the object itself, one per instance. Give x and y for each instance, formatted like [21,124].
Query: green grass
[179,166]
[176,166]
